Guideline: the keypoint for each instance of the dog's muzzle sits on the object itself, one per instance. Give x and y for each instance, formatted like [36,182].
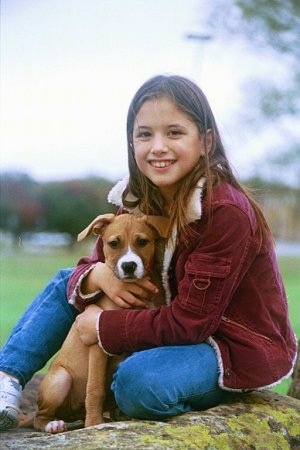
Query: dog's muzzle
[129,268]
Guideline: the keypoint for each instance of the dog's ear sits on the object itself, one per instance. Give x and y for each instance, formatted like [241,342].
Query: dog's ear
[159,223]
[96,226]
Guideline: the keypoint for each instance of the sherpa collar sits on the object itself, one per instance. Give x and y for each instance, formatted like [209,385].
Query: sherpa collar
[115,196]
[194,206]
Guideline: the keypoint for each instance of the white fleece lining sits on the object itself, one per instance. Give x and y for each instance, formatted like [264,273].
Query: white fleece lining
[97,326]
[168,254]
[115,197]
[77,288]
[115,194]
[194,213]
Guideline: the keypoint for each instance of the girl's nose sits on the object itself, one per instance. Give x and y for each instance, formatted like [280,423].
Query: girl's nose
[159,145]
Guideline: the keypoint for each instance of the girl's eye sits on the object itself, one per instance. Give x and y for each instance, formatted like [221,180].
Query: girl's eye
[175,132]
[143,135]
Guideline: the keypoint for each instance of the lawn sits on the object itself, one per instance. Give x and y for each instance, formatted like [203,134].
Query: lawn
[23,275]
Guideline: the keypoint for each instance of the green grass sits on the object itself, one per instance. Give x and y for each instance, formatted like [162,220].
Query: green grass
[23,275]
[290,270]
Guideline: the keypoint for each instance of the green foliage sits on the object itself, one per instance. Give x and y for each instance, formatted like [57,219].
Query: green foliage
[63,206]
[20,207]
[267,27]
[70,205]
[276,21]
[271,30]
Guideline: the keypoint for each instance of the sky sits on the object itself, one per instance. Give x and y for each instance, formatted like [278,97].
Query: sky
[70,68]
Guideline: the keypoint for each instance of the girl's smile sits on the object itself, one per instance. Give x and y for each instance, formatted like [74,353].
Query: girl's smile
[161,164]
[167,144]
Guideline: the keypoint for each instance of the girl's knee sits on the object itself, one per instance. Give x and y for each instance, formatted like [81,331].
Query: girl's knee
[156,383]
[129,381]
[139,393]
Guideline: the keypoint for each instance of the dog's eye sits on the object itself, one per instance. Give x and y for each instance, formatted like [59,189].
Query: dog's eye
[142,242]
[114,244]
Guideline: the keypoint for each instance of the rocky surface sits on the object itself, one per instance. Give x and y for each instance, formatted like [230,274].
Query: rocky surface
[256,421]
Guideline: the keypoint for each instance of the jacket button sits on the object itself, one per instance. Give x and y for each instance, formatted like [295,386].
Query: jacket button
[227,373]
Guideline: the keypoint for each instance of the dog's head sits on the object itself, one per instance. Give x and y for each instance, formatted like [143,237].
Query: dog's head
[128,242]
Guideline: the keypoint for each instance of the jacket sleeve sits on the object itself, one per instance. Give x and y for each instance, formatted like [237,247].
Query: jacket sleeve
[207,273]
[84,266]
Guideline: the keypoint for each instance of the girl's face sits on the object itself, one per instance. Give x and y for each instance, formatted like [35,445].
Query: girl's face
[167,144]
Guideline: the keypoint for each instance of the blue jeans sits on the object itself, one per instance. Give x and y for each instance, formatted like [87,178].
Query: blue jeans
[40,332]
[149,384]
[166,381]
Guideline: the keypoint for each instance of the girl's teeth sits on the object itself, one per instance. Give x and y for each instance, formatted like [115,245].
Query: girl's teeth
[161,163]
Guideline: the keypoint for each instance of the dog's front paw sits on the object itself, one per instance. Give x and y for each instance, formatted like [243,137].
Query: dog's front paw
[56,426]
[91,421]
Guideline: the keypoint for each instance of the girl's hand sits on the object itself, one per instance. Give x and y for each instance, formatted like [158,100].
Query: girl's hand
[87,324]
[124,294]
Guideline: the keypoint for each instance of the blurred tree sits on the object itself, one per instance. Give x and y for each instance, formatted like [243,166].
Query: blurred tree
[69,206]
[63,206]
[20,203]
[281,205]
[271,29]
[284,167]
[268,33]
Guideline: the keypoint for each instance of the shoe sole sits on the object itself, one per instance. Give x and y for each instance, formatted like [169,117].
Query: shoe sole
[8,419]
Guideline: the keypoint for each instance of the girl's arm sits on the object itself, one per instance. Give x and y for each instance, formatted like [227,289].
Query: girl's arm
[74,288]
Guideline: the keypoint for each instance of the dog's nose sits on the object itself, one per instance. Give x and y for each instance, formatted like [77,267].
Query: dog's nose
[129,267]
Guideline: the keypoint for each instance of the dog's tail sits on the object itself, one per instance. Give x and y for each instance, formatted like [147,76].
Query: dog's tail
[26,420]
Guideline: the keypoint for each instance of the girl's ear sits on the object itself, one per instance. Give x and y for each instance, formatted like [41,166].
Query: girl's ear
[207,142]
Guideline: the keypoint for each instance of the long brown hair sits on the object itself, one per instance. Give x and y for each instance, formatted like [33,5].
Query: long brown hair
[214,165]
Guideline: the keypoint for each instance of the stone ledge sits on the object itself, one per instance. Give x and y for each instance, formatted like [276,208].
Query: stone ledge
[256,421]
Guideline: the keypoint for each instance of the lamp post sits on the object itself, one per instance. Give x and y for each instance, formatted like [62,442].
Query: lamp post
[201,38]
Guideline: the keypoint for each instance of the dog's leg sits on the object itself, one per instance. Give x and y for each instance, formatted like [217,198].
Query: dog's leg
[54,389]
[95,390]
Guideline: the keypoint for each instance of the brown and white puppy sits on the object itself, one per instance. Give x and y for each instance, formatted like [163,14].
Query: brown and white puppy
[75,386]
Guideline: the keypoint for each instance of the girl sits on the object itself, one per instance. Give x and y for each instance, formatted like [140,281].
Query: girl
[225,328]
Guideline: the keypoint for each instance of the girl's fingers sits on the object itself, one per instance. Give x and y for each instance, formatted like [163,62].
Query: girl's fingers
[128,300]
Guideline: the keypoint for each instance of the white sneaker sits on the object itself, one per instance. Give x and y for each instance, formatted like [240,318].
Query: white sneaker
[10,397]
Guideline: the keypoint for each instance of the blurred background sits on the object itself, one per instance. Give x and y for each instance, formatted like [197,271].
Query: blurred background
[69,69]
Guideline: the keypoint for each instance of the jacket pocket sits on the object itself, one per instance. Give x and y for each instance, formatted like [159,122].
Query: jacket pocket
[244,328]
[203,284]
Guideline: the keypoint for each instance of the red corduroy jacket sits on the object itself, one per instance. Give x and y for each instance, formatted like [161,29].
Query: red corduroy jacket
[225,288]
